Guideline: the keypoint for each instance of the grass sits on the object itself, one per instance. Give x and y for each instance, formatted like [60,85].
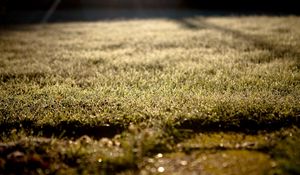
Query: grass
[151,96]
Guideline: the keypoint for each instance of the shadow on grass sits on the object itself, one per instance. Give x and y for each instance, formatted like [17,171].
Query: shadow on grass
[277,50]
[243,125]
[76,129]
[69,129]
[30,76]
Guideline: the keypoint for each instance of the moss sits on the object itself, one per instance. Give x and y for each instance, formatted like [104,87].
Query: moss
[287,153]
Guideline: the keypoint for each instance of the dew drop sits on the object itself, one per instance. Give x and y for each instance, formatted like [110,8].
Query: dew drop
[161,169]
[159,155]
[183,162]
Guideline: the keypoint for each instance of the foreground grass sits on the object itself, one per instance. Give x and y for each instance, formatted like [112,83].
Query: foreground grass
[108,97]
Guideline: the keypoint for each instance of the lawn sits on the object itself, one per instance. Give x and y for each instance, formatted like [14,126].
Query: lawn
[202,95]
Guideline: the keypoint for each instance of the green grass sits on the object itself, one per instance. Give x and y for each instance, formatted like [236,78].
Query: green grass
[106,97]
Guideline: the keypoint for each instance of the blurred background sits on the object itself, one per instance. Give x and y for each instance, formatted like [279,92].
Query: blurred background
[33,11]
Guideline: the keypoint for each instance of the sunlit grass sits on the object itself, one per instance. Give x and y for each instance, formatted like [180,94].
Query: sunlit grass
[153,81]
